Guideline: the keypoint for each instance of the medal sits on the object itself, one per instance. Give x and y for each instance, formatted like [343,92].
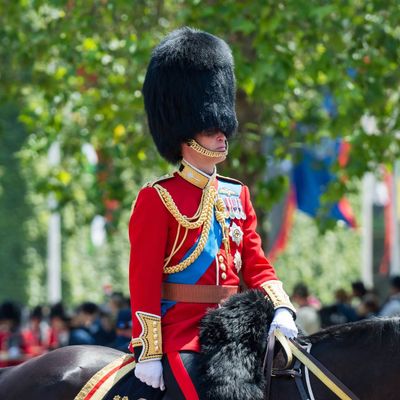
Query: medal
[231,208]
[237,261]
[242,213]
[227,207]
[225,191]
[236,233]
[236,202]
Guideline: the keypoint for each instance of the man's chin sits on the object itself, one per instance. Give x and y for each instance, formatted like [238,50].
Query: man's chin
[220,159]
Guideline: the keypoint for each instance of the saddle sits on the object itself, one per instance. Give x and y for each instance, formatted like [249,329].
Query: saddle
[117,381]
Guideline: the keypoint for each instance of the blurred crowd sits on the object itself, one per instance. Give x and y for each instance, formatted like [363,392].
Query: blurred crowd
[348,306]
[25,334]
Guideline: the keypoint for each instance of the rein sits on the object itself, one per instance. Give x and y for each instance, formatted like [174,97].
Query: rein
[270,372]
[302,357]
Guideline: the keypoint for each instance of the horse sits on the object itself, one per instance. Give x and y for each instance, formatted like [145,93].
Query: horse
[58,375]
[363,355]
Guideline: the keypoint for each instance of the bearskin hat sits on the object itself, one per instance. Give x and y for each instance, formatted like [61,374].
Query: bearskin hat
[10,311]
[189,87]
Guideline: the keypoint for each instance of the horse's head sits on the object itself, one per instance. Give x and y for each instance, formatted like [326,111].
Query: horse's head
[233,339]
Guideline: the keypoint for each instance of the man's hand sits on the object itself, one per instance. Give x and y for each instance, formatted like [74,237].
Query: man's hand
[283,320]
[151,373]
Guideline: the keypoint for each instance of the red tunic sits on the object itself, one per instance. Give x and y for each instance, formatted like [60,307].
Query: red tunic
[32,342]
[152,232]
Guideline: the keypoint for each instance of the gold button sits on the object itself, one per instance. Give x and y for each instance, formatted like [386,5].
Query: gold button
[156,348]
[156,342]
[155,336]
[220,258]
[223,275]
[222,266]
[154,323]
[155,330]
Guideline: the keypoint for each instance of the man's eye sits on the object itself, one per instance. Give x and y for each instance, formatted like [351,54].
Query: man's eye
[210,132]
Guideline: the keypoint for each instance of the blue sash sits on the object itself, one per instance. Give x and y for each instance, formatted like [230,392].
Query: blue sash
[196,270]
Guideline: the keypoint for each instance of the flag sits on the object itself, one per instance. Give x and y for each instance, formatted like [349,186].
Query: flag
[312,175]
[282,216]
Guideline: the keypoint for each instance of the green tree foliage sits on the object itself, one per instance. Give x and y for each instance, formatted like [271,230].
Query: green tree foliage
[289,55]
[325,263]
[13,235]
[75,69]
[88,270]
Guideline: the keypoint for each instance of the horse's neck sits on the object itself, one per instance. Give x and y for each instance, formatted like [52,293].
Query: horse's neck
[3,373]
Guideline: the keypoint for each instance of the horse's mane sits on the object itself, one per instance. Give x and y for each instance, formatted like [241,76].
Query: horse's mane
[375,331]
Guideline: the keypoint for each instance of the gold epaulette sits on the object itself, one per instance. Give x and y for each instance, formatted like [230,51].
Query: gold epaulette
[277,295]
[229,179]
[150,338]
[158,180]
[151,184]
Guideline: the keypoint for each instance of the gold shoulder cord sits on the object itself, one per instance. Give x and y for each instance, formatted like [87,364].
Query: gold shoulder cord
[203,216]
[207,202]
[220,215]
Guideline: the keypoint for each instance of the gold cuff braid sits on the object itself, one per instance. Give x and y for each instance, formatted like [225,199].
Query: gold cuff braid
[150,338]
[277,295]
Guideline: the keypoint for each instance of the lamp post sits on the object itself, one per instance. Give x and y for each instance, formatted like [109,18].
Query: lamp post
[366,229]
[395,251]
[54,236]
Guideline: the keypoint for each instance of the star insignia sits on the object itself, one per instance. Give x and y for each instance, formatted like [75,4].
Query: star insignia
[237,260]
[236,233]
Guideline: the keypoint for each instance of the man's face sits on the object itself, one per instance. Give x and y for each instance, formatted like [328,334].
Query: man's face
[212,140]
[215,141]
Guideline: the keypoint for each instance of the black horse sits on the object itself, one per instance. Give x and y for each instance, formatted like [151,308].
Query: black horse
[363,355]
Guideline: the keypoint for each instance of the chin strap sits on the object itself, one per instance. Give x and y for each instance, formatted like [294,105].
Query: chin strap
[205,152]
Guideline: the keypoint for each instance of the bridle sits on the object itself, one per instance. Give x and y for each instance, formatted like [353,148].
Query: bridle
[303,361]
[290,370]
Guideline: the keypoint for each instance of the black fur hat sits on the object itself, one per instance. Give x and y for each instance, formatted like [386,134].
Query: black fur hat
[233,340]
[10,311]
[189,87]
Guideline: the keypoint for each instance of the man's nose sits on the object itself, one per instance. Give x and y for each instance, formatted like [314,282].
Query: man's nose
[221,136]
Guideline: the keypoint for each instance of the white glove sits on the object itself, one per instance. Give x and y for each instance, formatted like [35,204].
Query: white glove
[283,320]
[151,373]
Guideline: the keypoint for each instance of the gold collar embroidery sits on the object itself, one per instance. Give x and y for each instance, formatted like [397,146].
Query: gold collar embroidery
[194,175]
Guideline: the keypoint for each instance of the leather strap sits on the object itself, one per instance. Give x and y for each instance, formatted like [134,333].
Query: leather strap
[319,370]
[270,372]
[267,365]
[183,293]
[299,381]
